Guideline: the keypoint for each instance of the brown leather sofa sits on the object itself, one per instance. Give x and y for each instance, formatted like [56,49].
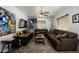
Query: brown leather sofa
[69,42]
[42,31]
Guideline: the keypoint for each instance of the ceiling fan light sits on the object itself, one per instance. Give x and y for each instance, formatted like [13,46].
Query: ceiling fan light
[45,13]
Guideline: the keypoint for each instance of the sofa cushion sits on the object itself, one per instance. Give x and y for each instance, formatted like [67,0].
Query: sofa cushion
[72,35]
[51,35]
[64,35]
[56,31]
[59,36]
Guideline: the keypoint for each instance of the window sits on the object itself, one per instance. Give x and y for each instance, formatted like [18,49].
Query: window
[62,22]
[41,24]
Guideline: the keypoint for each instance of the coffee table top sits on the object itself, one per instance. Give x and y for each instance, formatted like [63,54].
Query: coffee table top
[40,36]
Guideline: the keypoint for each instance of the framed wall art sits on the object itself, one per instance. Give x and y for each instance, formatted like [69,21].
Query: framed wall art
[22,23]
[7,22]
[75,18]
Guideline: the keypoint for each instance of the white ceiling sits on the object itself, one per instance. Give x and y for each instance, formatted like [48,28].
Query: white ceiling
[34,11]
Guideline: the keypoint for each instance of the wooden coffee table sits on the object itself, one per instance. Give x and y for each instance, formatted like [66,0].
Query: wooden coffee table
[40,38]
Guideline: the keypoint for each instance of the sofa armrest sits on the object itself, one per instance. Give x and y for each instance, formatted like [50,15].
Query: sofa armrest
[58,44]
[69,43]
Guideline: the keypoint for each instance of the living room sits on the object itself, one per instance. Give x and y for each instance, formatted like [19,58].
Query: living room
[55,26]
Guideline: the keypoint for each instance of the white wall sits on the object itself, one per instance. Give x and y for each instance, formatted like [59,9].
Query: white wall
[73,27]
[47,20]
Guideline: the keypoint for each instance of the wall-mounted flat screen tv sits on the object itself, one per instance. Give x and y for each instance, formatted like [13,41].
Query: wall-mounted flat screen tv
[7,22]
[23,23]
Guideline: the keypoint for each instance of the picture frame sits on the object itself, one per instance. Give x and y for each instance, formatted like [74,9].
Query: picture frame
[75,18]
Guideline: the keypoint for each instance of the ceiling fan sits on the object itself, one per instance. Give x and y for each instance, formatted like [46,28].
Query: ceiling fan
[45,13]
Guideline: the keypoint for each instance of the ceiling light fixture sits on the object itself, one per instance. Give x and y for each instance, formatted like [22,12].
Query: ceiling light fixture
[44,12]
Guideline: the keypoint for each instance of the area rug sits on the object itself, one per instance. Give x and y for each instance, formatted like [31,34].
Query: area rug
[33,47]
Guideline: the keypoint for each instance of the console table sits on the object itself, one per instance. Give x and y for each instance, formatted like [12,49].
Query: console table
[22,40]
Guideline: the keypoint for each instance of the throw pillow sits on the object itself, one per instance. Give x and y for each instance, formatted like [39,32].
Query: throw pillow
[59,36]
[64,35]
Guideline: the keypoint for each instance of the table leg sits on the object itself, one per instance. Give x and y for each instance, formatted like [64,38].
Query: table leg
[2,48]
[8,48]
